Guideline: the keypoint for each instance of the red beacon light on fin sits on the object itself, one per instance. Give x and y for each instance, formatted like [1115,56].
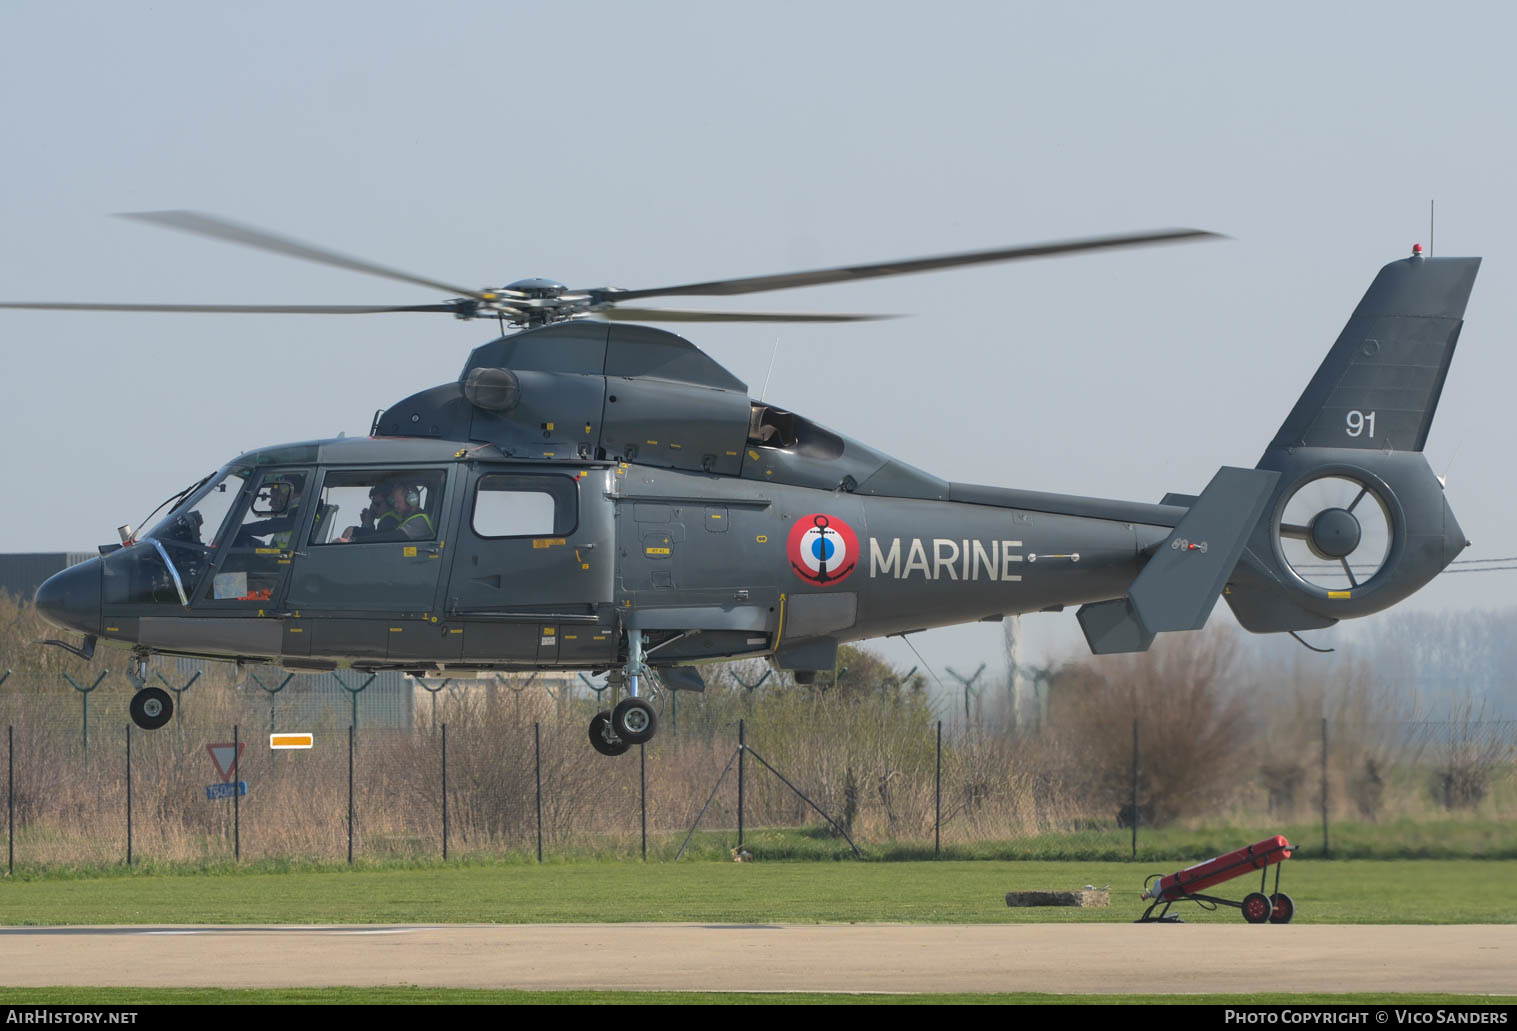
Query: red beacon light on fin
[1416,250]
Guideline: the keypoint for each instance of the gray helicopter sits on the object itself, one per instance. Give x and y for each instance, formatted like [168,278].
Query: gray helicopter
[592,494]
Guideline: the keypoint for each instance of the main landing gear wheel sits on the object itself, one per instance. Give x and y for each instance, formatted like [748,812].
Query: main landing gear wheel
[603,739]
[151,708]
[1284,908]
[1257,907]
[634,721]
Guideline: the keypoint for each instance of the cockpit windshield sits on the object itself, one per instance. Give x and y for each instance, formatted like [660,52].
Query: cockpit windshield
[195,522]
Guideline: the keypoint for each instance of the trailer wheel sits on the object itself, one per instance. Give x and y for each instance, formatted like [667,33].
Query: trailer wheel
[1284,909]
[1257,907]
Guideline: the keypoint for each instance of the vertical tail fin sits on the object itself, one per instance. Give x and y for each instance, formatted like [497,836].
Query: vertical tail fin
[1379,385]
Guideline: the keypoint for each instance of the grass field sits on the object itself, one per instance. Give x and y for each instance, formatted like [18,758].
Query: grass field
[1352,891]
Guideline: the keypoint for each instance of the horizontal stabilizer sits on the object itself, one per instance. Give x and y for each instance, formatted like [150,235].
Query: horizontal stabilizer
[1179,586]
[1112,627]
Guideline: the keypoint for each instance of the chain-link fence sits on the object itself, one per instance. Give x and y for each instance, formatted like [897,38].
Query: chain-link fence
[503,767]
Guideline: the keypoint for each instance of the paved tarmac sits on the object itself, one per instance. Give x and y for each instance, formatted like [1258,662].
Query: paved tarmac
[772,958]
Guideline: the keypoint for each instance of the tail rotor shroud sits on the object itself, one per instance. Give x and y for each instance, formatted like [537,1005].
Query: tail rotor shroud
[1335,532]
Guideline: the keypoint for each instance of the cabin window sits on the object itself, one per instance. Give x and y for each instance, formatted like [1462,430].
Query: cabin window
[378,506]
[508,505]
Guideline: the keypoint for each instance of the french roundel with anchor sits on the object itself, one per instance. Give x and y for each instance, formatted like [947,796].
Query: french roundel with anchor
[822,549]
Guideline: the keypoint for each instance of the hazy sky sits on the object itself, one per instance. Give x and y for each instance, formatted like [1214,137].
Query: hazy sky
[647,144]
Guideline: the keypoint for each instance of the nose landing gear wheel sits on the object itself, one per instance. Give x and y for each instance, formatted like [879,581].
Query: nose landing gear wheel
[603,740]
[1257,907]
[151,708]
[634,721]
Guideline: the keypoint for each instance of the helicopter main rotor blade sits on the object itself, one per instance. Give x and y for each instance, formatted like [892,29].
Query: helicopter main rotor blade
[232,232]
[619,314]
[818,277]
[243,309]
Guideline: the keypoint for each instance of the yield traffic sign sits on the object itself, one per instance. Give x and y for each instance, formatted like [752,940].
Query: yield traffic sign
[225,755]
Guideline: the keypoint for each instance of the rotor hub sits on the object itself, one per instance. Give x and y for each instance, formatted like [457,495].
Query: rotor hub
[1334,533]
[537,288]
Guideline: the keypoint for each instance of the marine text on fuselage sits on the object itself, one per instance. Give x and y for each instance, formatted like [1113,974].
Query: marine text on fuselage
[944,558]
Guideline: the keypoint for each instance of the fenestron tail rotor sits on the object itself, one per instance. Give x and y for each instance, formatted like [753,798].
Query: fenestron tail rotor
[533,302]
[1335,532]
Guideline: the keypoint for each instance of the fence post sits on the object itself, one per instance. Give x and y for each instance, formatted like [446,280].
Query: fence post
[444,791]
[642,777]
[354,692]
[128,794]
[85,691]
[350,788]
[742,748]
[236,794]
[937,809]
[1326,845]
[10,799]
[1135,788]
[537,763]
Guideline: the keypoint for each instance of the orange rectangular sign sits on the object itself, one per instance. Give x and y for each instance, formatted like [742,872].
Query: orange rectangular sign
[290,740]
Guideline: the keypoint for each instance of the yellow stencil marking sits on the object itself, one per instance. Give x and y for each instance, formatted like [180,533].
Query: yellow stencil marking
[1340,594]
[409,551]
[548,542]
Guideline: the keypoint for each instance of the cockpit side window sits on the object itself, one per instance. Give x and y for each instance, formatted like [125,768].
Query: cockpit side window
[375,506]
[256,551]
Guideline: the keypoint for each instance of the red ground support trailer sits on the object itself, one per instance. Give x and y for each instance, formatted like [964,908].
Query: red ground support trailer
[1257,907]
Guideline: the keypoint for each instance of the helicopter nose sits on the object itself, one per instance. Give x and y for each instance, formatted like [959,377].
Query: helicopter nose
[71,599]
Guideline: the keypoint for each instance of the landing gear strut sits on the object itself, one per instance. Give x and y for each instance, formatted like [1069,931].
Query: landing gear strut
[633,721]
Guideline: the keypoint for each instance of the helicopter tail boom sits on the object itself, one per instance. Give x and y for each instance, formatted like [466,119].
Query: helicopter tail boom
[1179,585]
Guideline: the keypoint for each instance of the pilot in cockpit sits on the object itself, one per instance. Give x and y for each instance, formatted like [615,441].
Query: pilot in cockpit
[394,514]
